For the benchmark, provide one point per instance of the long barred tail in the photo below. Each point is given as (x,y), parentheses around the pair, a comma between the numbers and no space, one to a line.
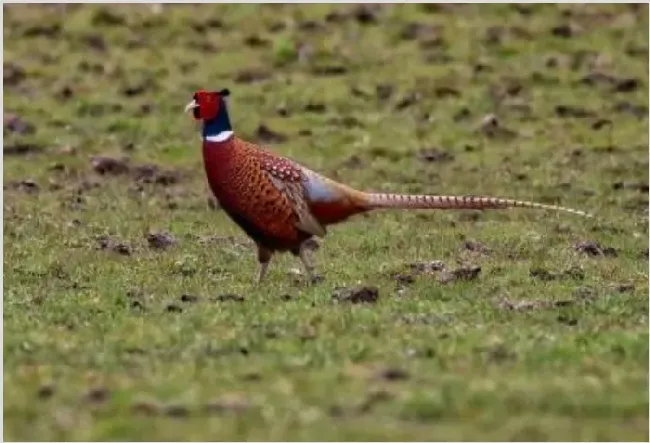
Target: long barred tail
(406,201)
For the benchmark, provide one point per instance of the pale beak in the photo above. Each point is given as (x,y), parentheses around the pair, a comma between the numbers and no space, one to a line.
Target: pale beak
(191,105)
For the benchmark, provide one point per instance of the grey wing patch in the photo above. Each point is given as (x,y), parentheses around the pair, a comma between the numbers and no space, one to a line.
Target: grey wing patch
(295,193)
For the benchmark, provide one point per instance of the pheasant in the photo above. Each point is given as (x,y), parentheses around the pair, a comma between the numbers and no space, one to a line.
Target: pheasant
(281,204)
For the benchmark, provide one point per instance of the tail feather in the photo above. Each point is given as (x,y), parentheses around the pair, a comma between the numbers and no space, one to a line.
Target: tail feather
(406,201)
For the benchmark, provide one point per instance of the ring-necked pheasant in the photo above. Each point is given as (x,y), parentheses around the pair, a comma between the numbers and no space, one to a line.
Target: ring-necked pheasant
(281,204)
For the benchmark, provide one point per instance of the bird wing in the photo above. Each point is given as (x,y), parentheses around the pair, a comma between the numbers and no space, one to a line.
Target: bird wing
(289,179)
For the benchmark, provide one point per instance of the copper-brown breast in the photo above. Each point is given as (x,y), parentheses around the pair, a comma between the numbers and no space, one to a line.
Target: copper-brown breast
(246,192)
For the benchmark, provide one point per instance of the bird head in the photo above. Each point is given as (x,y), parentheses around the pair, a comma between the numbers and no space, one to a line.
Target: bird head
(205,105)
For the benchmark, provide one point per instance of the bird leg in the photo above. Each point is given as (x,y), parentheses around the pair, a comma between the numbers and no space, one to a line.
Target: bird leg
(303,253)
(263,258)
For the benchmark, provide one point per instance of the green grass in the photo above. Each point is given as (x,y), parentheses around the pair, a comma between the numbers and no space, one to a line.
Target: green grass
(91,348)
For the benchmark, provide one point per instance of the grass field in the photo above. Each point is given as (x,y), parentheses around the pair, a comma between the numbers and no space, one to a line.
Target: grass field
(129,306)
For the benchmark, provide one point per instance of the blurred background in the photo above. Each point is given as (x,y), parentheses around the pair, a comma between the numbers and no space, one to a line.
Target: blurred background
(123,280)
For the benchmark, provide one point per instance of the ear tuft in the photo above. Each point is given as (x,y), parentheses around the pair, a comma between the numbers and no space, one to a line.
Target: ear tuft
(224,92)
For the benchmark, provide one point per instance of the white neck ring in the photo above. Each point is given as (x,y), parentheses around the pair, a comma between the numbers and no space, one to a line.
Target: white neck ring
(220,137)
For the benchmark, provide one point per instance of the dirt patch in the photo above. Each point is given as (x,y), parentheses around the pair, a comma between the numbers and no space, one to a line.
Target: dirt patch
(95,42)
(584,293)
(110,244)
(624,288)
(476,246)
(573,273)
(530,305)
(229,403)
(639,111)
(362,294)
(173,308)
(108,165)
(427,267)
(189,298)
(221,240)
(404,279)
(408,100)
(434,155)
(566,30)
(465,272)
(150,173)
(635,186)
(602,123)
(392,374)
(417,269)
(329,70)
(627,85)
(255,41)
(594,249)
(315,108)
(45,391)
(384,91)
(613,83)
(176,410)
(160,240)
(446,91)
(228,297)
(28,186)
(568,111)
(13,123)
(567,320)
(12,74)
(97,395)
(22,149)
(143,173)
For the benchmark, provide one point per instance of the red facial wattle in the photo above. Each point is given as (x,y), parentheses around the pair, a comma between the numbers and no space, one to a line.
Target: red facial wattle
(207,105)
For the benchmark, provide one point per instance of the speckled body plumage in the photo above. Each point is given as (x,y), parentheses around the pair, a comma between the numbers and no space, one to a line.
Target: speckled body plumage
(240,176)
(281,204)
